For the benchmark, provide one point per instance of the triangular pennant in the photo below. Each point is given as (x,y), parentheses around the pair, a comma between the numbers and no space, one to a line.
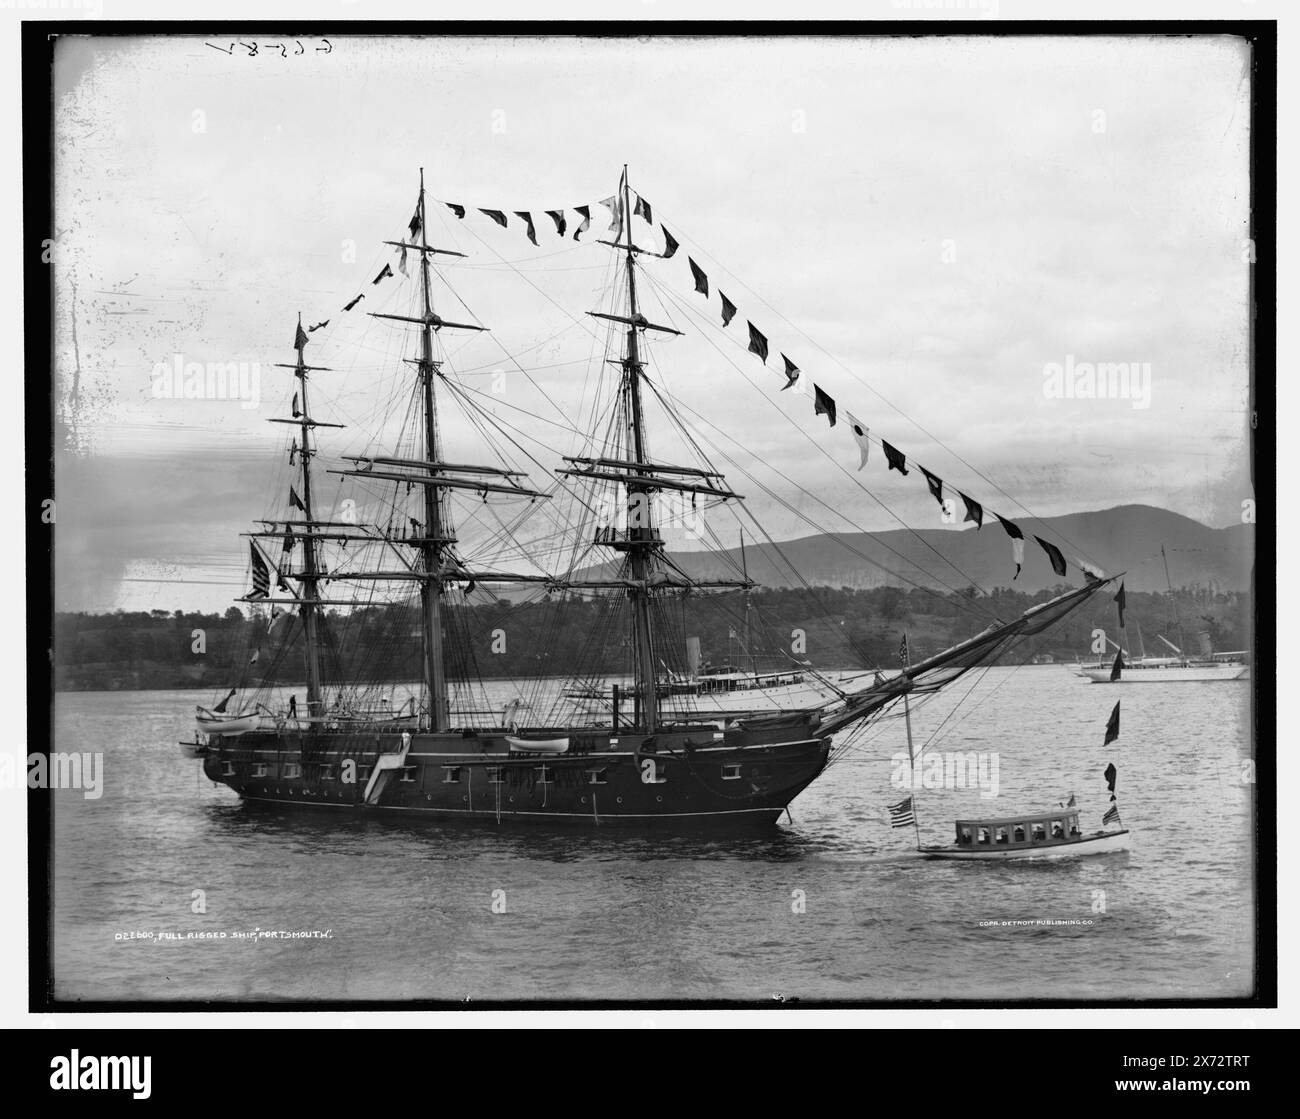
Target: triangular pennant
(384,273)
(1012,529)
(1053,554)
(935,483)
(313,329)
(728,309)
(1112,733)
(528,223)
(974,511)
(823,405)
(670,243)
(585,211)
(896,459)
(358,299)
(615,207)
(701,280)
(757,343)
(295,501)
(1017,554)
(1117,669)
(496,215)
(557,216)
(642,208)
(791,372)
(458,210)
(1121,601)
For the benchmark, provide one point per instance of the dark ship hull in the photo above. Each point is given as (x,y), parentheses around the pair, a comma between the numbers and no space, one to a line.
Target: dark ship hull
(681,777)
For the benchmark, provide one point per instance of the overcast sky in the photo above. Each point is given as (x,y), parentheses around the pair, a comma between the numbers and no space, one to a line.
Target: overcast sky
(923,225)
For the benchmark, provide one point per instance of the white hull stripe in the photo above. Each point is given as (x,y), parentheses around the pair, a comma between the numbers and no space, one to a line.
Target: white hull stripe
(495,759)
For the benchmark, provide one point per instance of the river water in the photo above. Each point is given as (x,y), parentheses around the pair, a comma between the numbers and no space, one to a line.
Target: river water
(832,905)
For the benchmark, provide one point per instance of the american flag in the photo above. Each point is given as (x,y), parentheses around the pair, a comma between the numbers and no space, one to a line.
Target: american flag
(1112,815)
(261,576)
(900,814)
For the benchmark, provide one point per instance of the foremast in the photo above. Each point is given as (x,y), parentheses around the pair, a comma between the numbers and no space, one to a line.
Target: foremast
(434,538)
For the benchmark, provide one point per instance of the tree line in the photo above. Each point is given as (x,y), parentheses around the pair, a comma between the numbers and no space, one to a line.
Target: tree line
(832,627)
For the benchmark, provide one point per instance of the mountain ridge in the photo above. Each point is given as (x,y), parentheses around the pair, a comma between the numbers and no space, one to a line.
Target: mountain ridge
(1124,538)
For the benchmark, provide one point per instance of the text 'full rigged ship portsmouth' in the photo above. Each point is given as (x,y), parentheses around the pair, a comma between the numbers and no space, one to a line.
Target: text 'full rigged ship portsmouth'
(651,754)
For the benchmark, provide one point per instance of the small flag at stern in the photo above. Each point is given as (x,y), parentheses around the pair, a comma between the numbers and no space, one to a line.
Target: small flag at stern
(901,814)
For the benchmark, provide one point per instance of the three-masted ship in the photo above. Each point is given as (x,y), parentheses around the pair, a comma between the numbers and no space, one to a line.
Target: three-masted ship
(646,756)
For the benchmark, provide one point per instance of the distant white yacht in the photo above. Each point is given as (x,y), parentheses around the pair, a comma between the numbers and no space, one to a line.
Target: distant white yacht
(1205,666)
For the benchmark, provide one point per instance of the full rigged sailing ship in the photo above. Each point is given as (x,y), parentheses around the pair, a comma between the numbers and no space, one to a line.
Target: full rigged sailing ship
(650,756)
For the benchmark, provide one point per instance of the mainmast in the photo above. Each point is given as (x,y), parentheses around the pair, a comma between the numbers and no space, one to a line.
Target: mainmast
(431,547)
(640,529)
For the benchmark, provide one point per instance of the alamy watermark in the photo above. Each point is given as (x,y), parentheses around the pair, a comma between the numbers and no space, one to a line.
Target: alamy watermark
(59,770)
(951,770)
(1103,380)
(179,379)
